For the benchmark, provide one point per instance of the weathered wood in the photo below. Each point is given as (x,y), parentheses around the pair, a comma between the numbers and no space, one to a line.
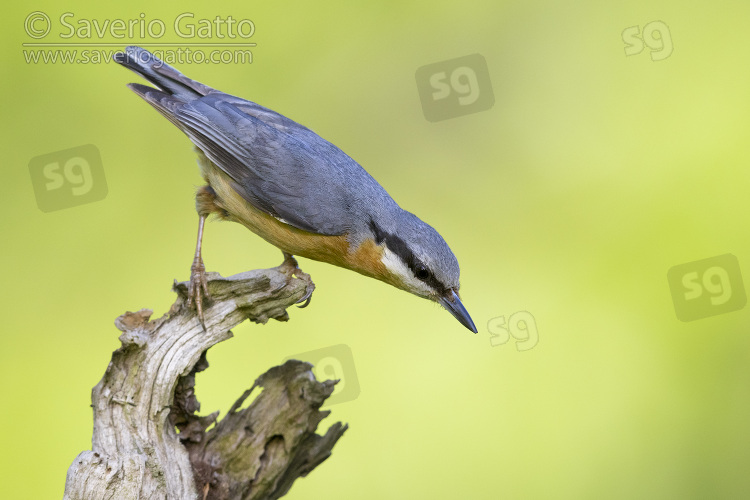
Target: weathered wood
(147,395)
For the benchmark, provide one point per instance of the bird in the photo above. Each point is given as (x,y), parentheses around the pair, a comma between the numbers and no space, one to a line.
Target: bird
(294,189)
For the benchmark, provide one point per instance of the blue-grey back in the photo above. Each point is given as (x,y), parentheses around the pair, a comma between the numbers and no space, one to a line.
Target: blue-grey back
(281,166)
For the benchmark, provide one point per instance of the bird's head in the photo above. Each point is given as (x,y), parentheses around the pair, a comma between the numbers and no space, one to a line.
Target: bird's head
(418,260)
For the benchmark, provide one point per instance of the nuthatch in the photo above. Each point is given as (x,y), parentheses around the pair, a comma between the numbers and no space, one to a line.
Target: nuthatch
(295,190)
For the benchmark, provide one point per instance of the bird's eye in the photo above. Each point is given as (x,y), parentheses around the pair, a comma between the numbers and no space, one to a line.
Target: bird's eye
(421,272)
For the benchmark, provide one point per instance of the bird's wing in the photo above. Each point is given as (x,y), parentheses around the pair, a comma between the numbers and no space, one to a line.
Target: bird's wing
(278,166)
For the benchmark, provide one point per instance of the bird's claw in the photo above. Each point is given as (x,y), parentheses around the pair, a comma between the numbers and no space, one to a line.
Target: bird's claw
(198,288)
(307,298)
(291,269)
(310,288)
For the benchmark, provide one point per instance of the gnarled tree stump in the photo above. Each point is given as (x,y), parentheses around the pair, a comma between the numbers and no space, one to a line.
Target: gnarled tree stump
(147,395)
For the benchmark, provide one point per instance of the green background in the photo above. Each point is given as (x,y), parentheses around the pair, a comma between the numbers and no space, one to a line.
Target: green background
(591,176)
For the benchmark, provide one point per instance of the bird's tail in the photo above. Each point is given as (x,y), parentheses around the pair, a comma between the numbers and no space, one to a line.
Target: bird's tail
(164,76)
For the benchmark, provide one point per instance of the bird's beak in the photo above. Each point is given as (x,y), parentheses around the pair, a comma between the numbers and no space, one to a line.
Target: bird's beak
(451,302)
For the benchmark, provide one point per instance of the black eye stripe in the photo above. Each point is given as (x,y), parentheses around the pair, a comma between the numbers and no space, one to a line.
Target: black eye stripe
(400,248)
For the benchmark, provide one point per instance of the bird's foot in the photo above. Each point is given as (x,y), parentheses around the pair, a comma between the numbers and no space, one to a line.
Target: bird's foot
(291,269)
(198,287)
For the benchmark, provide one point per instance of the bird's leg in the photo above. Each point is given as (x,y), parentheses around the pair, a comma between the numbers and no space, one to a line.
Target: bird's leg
(291,269)
(198,286)
(205,204)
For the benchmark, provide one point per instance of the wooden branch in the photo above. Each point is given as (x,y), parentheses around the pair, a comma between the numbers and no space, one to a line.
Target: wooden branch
(147,395)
